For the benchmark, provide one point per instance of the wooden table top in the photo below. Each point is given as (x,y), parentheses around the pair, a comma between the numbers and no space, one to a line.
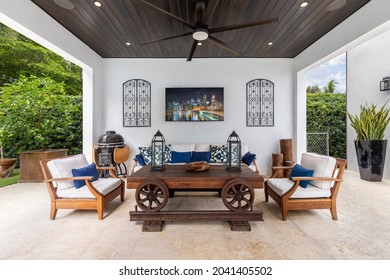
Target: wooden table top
(178,177)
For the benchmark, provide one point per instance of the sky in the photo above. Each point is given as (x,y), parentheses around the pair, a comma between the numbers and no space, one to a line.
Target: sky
(334,69)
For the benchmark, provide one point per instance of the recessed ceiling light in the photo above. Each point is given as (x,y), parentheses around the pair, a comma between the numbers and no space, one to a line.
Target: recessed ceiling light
(270,43)
(304,4)
(128,44)
(97,3)
(65,4)
(199,43)
(335,5)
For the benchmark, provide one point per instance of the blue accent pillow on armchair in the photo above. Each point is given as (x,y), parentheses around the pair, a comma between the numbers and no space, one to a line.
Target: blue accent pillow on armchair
(300,171)
(180,157)
(201,156)
(89,170)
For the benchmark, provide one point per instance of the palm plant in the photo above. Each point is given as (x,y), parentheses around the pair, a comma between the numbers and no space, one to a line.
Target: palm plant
(371,123)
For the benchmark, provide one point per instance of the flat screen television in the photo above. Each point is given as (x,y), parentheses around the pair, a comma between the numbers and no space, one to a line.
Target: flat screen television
(195,104)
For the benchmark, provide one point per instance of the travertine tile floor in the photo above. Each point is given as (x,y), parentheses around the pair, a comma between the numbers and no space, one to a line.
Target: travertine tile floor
(361,233)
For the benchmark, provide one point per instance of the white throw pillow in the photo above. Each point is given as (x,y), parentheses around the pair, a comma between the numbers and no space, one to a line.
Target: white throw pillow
(202,147)
(323,166)
(62,168)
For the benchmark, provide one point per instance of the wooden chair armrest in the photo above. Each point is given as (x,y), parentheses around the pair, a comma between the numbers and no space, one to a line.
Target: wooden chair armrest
(69,179)
(294,179)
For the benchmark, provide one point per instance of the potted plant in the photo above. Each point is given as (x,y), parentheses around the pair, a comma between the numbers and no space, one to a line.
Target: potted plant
(370,126)
(7,165)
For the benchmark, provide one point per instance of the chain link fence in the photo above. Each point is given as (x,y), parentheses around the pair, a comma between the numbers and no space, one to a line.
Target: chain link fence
(318,142)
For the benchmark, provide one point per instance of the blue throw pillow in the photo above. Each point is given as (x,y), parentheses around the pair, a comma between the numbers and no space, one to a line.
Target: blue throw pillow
(89,170)
(180,157)
(201,156)
(248,158)
(300,171)
(140,159)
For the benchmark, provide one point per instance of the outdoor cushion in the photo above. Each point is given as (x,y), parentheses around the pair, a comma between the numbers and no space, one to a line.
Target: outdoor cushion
(202,147)
(323,167)
(183,147)
(102,185)
(62,168)
(182,157)
(146,153)
(200,156)
(89,170)
(300,171)
(282,185)
(248,158)
(218,153)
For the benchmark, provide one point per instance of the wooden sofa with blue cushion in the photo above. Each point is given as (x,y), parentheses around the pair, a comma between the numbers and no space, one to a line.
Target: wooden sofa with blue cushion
(183,153)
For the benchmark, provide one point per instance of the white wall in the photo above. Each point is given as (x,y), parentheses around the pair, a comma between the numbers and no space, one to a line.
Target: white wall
(29,20)
(231,74)
(367,64)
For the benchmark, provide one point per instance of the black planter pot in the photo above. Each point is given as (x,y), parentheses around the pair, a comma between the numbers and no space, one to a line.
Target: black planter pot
(371,155)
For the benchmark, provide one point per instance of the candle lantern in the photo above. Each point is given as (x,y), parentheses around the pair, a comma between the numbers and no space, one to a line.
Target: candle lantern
(158,148)
(234,153)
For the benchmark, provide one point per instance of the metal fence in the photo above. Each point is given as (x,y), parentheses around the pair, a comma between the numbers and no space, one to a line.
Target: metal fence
(318,142)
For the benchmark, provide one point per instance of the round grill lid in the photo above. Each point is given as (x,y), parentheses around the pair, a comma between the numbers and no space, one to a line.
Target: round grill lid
(111,137)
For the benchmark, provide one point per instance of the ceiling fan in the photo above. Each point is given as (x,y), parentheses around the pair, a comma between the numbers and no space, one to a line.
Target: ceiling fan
(200,30)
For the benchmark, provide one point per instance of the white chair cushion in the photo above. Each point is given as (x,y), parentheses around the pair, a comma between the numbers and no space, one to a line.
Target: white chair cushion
(102,185)
(62,168)
(323,166)
(183,147)
(202,147)
(282,185)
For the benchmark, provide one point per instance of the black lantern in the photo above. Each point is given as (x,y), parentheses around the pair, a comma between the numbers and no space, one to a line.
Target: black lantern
(234,153)
(158,148)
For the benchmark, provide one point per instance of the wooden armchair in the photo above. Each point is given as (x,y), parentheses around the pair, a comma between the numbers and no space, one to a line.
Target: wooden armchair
(321,192)
(93,195)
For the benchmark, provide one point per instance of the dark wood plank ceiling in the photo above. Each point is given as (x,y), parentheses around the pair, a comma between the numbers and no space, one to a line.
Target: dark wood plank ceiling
(108,28)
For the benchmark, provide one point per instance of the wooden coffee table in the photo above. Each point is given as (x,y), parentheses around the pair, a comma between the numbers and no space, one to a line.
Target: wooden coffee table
(153,190)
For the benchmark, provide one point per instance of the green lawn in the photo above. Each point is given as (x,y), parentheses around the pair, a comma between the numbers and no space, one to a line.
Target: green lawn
(10,180)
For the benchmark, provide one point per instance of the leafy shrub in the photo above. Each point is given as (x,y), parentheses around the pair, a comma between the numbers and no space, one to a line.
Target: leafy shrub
(327,112)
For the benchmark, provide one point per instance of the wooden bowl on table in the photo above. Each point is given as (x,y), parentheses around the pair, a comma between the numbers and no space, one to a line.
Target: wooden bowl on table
(197,166)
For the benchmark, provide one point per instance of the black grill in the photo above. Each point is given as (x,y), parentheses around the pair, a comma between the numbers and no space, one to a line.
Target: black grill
(106,145)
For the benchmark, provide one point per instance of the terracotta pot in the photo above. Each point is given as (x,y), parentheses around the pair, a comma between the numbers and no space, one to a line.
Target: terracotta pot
(7,166)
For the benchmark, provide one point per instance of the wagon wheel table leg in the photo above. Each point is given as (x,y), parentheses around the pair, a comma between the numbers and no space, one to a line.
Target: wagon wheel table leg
(151,196)
(238,196)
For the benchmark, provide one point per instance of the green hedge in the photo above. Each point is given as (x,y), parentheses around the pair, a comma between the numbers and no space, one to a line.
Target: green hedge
(327,112)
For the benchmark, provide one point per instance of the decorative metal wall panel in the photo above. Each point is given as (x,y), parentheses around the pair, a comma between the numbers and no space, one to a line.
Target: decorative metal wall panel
(136,103)
(260,103)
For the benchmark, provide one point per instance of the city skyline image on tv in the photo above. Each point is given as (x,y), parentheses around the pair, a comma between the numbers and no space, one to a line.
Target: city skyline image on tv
(194,104)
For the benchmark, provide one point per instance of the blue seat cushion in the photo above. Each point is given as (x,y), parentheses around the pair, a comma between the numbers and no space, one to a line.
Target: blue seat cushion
(89,170)
(300,171)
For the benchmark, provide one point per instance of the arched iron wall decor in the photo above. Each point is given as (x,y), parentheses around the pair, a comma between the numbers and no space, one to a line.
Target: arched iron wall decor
(260,103)
(136,103)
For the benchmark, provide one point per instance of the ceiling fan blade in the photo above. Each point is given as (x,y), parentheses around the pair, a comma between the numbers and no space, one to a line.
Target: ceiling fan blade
(211,6)
(223,45)
(239,26)
(166,38)
(194,44)
(168,14)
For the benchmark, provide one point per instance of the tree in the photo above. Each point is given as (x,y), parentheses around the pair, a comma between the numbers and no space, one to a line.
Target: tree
(330,87)
(313,89)
(22,56)
(37,114)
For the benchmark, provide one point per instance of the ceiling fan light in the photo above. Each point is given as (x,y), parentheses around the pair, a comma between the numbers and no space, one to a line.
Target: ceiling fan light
(199,43)
(200,34)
